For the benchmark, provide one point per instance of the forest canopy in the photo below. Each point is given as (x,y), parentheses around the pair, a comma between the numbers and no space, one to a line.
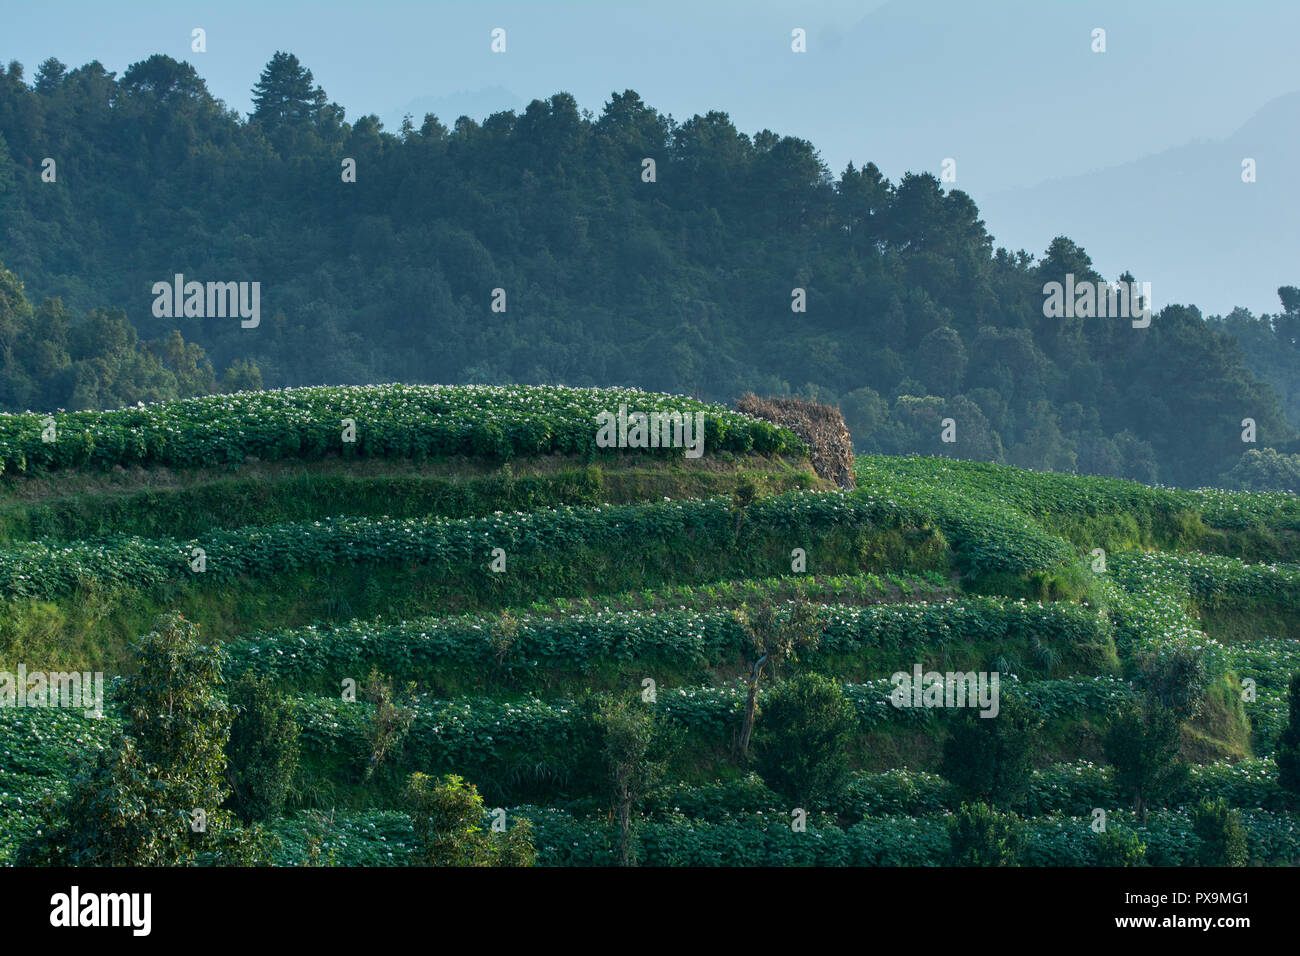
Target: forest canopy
(683,283)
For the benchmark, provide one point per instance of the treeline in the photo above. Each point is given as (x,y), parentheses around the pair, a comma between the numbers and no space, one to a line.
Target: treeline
(682,284)
(50,359)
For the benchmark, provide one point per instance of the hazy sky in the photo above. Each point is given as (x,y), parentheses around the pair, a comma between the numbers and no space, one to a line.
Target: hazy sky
(1011,89)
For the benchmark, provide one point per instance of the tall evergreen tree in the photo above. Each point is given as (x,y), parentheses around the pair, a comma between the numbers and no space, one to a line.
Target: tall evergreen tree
(285,93)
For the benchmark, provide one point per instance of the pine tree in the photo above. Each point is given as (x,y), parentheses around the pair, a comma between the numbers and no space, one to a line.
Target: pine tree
(285,93)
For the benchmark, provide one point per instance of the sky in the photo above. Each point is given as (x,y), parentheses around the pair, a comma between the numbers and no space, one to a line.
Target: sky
(1048,136)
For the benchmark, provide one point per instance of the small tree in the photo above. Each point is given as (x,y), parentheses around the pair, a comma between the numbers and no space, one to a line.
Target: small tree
(262,754)
(773,638)
(990,758)
(980,835)
(1223,838)
(390,720)
(744,494)
(447,815)
(502,636)
(1174,679)
(1142,743)
(153,797)
(1120,848)
(1288,747)
(636,755)
(805,730)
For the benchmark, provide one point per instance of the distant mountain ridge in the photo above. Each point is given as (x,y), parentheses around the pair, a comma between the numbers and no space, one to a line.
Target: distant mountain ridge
(1169,196)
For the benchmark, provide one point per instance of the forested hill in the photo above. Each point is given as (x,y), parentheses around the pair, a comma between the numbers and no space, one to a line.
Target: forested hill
(680,284)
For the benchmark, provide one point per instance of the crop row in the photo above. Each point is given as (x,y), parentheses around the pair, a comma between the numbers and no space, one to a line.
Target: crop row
(1072,789)
(378,838)
(409,421)
(41,568)
(482,735)
(459,545)
(1053,495)
(454,733)
(868,588)
(1207,579)
(682,637)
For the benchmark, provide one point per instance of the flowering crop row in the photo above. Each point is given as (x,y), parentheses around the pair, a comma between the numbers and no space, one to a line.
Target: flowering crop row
(1054,495)
(564,839)
(464,733)
(496,422)
(1207,578)
(455,545)
(685,637)
(449,545)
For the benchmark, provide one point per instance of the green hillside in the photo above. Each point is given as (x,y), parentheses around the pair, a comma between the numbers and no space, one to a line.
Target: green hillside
(313,553)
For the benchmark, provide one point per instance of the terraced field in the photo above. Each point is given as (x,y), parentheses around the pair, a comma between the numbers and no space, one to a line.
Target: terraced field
(478,550)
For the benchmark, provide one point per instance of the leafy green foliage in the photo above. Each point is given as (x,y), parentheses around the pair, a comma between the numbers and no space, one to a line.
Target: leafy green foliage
(392,421)
(980,835)
(805,734)
(502,697)
(424,648)
(1222,835)
(911,299)
(774,638)
(1143,744)
(390,720)
(1288,747)
(54,360)
(636,747)
(1174,680)
(1264,470)
(262,753)
(1120,848)
(152,798)
(990,758)
(447,816)
(455,548)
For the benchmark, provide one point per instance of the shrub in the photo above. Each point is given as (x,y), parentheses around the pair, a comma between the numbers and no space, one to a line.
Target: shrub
(1288,747)
(773,638)
(1120,848)
(1264,470)
(1223,837)
(390,721)
(1175,677)
(805,730)
(1143,743)
(980,835)
(262,753)
(635,759)
(447,816)
(989,758)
